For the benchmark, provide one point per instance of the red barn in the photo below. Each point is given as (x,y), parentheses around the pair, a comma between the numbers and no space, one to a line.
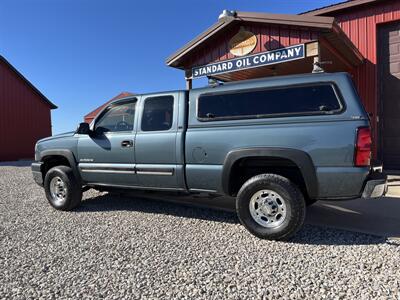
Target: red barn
(361,37)
(90,116)
(24,114)
(374,28)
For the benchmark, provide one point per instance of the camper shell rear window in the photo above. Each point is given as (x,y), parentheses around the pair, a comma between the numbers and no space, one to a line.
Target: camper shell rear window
(299,100)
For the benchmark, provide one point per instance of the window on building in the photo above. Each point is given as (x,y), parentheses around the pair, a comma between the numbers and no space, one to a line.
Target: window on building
(298,100)
(157,113)
(117,117)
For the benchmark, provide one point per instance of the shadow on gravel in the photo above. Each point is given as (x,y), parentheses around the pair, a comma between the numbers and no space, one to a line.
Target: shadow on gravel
(320,235)
(308,235)
(19,163)
(109,202)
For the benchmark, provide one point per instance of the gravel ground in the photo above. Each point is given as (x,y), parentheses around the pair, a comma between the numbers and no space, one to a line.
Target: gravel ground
(119,248)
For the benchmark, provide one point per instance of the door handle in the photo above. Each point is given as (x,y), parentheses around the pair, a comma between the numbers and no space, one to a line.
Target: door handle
(127,143)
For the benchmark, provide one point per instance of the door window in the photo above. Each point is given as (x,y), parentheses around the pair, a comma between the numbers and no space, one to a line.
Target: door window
(158,113)
(117,118)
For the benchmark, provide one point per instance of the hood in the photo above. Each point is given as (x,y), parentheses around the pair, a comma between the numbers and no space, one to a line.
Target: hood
(58,136)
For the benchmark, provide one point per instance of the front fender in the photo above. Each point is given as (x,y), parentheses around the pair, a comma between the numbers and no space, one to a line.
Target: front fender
(64,153)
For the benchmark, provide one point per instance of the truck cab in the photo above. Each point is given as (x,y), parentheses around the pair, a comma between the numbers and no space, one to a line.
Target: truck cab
(136,142)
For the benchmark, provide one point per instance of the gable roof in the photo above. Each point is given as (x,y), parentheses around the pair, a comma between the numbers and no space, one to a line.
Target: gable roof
(43,97)
(323,24)
(318,22)
(337,7)
(94,112)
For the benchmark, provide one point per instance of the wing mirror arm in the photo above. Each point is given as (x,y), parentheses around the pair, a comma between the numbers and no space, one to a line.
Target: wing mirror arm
(83,128)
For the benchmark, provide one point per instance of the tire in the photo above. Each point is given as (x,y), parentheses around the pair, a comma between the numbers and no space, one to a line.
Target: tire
(271,207)
(62,189)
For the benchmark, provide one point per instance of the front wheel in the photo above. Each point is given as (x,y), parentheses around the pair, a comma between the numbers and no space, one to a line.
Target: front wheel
(271,207)
(62,189)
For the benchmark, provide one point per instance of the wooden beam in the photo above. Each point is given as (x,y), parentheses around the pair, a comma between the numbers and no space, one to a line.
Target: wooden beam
(189,84)
(324,43)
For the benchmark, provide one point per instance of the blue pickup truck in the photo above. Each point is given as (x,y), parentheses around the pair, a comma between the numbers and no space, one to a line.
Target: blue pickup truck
(275,145)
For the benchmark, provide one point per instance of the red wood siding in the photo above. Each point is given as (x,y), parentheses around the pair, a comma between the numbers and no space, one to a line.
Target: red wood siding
(24,116)
(269,37)
(360,24)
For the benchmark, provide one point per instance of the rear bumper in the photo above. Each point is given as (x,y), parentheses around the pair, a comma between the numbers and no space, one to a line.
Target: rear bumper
(375,186)
(36,168)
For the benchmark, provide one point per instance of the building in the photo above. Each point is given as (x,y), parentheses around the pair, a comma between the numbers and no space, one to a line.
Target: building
(374,28)
(25,114)
(90,116)
(361,37)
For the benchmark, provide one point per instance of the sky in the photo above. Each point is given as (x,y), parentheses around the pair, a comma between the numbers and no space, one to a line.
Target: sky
(81,53)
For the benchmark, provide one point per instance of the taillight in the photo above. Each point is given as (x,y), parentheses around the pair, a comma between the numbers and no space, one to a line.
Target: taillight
(362,155)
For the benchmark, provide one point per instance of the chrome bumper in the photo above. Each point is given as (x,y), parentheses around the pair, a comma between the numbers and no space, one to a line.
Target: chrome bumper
(37,172)
(375,186)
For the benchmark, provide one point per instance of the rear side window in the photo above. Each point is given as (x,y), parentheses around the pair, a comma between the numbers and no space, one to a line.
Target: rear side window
(298,100)
(157,113)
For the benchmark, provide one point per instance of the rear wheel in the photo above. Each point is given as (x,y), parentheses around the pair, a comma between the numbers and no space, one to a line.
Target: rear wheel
(62,189)
(271,207)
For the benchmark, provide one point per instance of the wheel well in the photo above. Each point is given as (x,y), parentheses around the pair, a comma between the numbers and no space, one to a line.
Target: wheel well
(52,161)
(245,168)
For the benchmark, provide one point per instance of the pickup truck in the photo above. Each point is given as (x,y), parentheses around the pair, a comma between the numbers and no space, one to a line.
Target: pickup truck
(273,145)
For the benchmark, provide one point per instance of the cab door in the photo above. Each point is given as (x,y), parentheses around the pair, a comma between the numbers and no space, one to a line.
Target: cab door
(107,156)
(158,150)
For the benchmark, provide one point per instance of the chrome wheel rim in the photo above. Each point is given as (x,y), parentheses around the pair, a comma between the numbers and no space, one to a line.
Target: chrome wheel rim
(58,190)
(268,208)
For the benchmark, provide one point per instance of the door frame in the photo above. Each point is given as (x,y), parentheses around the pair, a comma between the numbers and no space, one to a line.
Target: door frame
(101,171)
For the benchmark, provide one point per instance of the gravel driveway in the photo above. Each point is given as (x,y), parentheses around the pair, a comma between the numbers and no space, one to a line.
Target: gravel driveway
(120,248)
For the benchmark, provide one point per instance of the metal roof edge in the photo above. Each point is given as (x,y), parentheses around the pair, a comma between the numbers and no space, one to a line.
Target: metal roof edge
(336,7)
(311,21)
(194,42)
(51,104)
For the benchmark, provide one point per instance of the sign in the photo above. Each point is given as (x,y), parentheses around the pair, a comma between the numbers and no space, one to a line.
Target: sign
(251,61)
(242,43)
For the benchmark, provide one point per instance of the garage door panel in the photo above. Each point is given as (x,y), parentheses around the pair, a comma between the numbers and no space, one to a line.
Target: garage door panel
(395,38)
(395,57)
(389,79)
(394,162)
(391,143)
(391,127)
(392,107)
(394,49)
(394,67)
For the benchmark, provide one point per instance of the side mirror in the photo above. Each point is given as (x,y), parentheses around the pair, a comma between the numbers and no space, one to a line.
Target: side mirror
(83,128)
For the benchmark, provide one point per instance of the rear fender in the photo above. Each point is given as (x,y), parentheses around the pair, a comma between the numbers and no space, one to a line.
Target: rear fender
(298,157)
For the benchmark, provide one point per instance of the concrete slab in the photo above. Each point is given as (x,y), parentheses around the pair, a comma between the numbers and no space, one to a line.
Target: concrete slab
(394,189)
(379,216)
